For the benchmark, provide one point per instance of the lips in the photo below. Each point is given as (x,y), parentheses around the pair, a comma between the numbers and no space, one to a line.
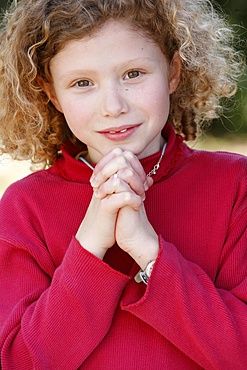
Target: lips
(119,133)
(115,130)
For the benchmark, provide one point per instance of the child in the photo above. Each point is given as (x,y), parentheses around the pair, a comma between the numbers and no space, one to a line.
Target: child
(129,250)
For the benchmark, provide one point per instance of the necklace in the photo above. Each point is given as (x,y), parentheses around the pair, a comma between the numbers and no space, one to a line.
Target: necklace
(152,172)
(157,165)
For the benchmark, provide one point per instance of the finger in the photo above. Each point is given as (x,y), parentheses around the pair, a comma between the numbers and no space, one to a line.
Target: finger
(114,202)
(117,185)
(110,168)
(150,181)
(136,165)
(106,159)
(135,175)
(129,175)
(118,160)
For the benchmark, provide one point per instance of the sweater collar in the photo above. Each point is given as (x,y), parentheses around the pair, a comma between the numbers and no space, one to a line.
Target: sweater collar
(73,170)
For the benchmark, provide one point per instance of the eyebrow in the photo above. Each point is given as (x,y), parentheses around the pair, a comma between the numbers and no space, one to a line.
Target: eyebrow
(123,65)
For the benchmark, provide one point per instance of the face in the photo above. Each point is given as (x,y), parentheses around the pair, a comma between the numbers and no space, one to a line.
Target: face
(113,89)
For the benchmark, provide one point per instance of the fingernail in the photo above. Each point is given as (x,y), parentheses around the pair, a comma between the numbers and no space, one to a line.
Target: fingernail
(96,193)
(146,186)
(93,181)
(143,197)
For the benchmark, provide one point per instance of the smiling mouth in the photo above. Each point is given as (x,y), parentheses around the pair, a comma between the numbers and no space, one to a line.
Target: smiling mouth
(120,130)
(120,133)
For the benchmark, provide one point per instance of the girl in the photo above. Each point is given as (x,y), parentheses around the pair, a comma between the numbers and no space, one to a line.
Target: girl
(129,250)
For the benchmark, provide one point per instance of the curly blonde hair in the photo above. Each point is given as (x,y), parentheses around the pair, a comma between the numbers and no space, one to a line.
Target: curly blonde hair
(34,31)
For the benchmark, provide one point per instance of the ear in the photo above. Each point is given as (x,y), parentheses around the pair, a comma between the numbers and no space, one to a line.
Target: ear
(174,72)
(49,90)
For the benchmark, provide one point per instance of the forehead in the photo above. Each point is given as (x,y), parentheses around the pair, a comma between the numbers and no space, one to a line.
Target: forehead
(113,40)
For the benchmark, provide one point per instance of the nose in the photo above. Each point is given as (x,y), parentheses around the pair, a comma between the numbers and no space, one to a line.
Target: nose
(113,100)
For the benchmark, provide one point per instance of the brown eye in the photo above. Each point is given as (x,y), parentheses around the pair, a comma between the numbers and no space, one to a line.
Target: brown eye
(83,83)
(133,74)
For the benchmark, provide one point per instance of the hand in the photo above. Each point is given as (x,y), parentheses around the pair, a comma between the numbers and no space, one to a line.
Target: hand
(136,236)
(120,196)
(128,169)
(97,230)
(110,195)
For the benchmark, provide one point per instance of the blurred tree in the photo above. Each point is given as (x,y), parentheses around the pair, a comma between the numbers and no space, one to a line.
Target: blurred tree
(235,118)
(3,3)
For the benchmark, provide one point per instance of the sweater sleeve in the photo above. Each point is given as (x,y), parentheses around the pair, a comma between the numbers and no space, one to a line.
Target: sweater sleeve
(205,319)
(51,317)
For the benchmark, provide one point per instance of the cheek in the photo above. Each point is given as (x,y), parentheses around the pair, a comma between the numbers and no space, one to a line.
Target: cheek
(75,114)
(158,101)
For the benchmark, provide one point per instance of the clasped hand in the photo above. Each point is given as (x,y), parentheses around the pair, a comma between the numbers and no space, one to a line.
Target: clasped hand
(116,212)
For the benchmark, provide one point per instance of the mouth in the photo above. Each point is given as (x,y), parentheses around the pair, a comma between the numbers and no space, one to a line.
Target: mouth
(119,133)
(117,130)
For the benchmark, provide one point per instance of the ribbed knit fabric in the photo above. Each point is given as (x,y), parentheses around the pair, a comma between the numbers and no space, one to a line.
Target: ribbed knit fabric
(62,308)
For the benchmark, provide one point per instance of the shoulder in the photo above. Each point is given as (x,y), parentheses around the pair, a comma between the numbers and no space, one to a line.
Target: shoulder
(25,206)
(219,161)
(29,188)
(221,178)
(223,156)
(220,172)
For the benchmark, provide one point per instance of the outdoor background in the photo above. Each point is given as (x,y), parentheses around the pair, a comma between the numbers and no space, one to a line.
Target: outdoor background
(228,134)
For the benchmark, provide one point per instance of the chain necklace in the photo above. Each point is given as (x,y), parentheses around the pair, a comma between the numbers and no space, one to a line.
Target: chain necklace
(157,166)
(151,173)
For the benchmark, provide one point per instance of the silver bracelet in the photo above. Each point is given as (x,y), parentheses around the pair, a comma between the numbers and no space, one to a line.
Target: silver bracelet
(144,275)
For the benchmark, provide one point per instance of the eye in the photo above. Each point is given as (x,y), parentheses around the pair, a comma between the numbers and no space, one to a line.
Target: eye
(83,83)
(132,74)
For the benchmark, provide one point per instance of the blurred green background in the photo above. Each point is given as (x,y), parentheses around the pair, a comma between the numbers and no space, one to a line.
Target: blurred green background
(234,121)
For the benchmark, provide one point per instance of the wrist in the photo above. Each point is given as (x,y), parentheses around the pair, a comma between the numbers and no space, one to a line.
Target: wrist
(96,250)
(149,252)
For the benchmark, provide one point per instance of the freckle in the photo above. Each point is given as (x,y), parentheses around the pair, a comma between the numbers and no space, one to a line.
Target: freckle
(126,89)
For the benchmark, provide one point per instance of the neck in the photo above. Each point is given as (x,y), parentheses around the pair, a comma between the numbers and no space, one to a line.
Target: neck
(84,158)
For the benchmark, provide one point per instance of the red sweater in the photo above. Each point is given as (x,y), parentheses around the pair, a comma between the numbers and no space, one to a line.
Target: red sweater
(63,308)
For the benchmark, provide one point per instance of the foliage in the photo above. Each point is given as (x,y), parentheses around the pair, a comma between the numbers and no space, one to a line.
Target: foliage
(235,117)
